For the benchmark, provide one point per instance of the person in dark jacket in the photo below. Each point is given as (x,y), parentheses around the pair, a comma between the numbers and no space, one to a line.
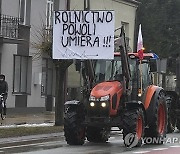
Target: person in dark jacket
(3,90)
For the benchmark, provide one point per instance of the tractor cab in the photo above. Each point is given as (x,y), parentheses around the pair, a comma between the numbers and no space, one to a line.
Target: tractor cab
(109,75)
(109,84)
(108,70)
(144,69)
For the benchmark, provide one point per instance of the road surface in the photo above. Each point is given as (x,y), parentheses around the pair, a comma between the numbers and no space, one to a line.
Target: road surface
(57,145)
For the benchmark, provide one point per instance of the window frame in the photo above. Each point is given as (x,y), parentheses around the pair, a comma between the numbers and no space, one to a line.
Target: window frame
(49,14)
(20,91)
(22,11)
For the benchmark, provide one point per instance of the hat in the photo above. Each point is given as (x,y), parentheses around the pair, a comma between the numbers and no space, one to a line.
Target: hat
(2,76)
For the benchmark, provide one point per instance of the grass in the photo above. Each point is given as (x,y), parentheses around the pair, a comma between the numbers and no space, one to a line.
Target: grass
(25,131)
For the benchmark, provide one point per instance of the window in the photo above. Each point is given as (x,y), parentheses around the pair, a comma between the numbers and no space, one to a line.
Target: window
(49,14)
(24,11)
(22,73)
(126,28)
(146,76)
(47,77)
(106,70)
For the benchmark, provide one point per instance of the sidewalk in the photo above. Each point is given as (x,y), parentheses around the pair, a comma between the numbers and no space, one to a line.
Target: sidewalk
(34,118)
(29,120)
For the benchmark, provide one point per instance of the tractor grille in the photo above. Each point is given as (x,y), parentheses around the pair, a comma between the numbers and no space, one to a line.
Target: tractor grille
(98,110)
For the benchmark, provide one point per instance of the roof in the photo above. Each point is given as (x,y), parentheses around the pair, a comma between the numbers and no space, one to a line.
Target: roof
(133,1)
(146,55)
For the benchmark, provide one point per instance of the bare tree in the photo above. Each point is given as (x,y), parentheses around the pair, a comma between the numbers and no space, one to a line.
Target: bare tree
(43,44)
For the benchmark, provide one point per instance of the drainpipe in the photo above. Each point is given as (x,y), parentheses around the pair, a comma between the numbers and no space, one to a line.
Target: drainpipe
(86,5)
(68,5)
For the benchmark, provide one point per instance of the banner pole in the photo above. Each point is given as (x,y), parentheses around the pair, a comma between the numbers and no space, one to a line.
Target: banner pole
(141,81)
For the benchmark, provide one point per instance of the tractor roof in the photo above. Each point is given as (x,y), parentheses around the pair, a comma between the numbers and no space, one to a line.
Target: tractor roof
(135,54)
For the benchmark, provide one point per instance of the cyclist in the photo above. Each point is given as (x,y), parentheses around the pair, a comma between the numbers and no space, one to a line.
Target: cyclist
(3,90)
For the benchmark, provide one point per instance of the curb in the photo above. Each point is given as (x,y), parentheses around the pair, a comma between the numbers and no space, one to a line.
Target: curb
(24,124)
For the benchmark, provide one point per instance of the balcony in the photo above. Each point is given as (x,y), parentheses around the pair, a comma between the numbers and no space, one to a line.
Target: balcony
(10,29)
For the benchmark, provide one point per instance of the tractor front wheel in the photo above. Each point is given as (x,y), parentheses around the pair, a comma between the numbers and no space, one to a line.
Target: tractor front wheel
(74,131)
(133,126)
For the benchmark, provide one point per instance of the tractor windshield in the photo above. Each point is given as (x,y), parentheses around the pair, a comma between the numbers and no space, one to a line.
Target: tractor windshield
(106,70)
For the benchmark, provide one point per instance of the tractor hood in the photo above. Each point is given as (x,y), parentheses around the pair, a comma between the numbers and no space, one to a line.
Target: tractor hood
(106,88)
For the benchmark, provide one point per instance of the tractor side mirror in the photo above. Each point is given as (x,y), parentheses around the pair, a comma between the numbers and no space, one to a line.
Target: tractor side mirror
(153,65)
(78,65)
(163,66)
(158,65)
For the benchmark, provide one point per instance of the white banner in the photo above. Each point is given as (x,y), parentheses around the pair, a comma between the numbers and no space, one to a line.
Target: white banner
(83,35)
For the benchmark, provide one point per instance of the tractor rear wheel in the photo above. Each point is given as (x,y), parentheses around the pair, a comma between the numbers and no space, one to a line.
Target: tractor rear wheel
(158,114)
(74,131)
(97,135)
(133,126)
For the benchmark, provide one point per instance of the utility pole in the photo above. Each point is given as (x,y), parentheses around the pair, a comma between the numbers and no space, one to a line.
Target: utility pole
(68,4)
(86,5)
(61,76)
(61,88)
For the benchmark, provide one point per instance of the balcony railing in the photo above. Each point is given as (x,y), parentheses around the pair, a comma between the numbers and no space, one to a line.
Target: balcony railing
(9,26)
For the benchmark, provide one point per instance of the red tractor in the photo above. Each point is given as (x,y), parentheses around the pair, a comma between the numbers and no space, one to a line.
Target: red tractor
(118,94)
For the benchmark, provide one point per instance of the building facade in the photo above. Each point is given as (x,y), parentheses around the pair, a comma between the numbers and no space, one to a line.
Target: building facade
(23,27)
(15,61)
(125,13)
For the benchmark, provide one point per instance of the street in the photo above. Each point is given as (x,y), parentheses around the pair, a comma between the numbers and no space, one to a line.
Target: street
(57,145)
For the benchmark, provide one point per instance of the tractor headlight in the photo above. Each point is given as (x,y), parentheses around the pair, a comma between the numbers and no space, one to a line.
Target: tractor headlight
(103,104)
(92,104)
(92,98)
(139,93)
(105,98)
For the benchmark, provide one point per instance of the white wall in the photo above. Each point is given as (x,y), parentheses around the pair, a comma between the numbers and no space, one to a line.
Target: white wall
(38,14)
(62,4)
(35,99)
(10,7)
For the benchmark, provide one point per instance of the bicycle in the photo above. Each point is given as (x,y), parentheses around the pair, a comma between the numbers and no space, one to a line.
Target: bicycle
(2,106)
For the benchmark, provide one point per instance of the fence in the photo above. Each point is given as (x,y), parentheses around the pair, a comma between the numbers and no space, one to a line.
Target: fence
(9,26)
